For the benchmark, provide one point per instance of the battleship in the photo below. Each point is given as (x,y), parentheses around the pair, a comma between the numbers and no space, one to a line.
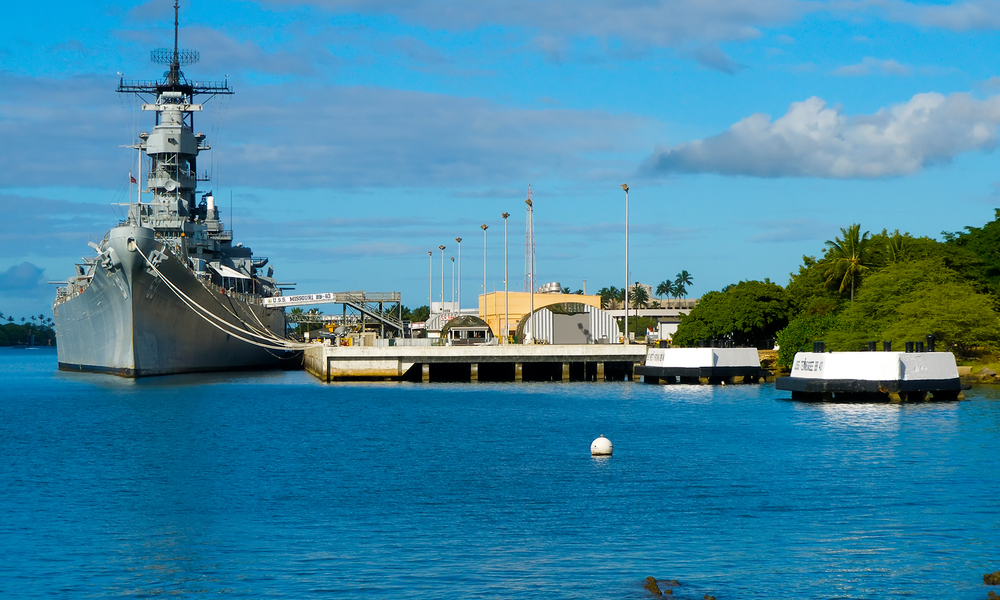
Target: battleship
(167,291)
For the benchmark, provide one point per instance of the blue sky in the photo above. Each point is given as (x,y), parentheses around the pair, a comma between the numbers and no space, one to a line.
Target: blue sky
(364,134)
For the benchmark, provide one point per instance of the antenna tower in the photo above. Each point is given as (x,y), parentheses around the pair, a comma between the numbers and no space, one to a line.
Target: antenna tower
(529,245)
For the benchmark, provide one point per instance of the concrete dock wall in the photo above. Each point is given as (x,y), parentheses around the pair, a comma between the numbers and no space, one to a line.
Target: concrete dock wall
(475,363)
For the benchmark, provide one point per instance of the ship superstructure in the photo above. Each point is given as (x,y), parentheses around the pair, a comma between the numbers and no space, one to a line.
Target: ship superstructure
(168,291)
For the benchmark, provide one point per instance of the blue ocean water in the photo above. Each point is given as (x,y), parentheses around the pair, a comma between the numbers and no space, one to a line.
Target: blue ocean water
(274,485)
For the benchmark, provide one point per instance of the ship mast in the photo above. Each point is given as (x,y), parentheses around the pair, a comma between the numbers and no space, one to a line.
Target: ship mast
(172,146)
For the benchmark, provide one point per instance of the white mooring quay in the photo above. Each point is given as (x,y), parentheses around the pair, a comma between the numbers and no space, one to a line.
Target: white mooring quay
(595,362)
(891,376)
(707,365)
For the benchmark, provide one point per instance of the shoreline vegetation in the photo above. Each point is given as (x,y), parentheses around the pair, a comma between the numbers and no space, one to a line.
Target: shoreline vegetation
(22,332)
(862,287)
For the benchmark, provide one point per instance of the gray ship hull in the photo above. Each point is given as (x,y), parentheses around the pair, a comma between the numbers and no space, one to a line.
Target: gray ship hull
(128,322)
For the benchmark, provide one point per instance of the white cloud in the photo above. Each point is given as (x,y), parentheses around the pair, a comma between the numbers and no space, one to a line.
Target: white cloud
(814,140)
(19,278)
(655,22)
(960,16)
(299,135)
(714,58)
(692,26)
(790,230)
(874,66)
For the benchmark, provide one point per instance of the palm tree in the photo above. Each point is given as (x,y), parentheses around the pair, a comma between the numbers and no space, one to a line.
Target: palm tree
(848,257)
(607,295)
(683,280)
(679,291)
(896,247)
(665,289)
(639,297)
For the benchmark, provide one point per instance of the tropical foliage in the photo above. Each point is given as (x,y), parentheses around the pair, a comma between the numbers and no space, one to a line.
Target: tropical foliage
(19,332)
(887,286)
(748,313)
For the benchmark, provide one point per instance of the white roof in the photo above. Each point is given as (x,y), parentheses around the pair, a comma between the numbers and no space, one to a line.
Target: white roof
(227,272)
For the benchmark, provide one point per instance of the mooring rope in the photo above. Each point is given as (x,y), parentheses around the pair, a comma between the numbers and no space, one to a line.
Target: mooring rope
(208,316)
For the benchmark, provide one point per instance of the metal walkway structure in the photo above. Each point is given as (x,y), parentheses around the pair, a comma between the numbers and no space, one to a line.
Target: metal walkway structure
(360,309)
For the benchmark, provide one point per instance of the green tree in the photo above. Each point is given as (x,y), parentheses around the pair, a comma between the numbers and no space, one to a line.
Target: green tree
(684,279)
(665,289)
(418,314)
(848,257)
(611,297)
(908,300)
(638,297)
(800,335)
(747,314)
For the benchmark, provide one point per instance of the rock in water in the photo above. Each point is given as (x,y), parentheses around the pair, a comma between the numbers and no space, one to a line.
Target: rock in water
(652,587)
(992,578)
(707,597)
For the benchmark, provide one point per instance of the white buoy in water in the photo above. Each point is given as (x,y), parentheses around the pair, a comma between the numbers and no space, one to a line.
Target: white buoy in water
(601,447)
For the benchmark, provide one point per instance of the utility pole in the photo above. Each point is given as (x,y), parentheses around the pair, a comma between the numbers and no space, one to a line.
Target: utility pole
(625,187)
(459,240)
(484,226)
(506,312)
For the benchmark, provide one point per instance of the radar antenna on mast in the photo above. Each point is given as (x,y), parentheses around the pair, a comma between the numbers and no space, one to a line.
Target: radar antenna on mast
(175,58)
(174,80)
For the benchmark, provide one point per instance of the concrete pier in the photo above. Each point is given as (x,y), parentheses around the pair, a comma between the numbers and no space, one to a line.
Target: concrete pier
(599,362)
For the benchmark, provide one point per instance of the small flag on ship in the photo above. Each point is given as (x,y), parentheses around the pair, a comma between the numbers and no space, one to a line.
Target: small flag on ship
(130,178)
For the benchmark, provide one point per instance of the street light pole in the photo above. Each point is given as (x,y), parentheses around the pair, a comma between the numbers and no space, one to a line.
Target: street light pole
(452,284)
(459,240)
(531,265)
(506,325)
(625,187)
(430,282)
(442,277)
(484,227)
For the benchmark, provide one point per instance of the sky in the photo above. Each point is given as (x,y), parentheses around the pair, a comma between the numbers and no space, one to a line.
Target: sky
(363,135)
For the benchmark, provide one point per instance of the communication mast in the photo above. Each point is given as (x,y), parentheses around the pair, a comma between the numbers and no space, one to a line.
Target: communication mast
(529,246)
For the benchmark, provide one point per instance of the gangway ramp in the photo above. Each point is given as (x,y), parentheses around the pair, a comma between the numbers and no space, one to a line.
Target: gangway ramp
(385,308)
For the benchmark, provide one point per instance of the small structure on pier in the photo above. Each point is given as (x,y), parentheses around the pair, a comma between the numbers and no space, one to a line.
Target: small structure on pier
(467,330)
(568,323)
(872,376)
(702,365)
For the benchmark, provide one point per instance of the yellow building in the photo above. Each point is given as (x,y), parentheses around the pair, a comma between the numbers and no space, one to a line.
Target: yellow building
(491,307)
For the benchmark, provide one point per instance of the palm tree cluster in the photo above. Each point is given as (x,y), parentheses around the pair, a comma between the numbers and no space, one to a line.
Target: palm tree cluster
(849,256)
(676,288)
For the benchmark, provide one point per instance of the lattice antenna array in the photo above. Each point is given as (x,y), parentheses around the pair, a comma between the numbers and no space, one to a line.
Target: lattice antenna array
(175,58)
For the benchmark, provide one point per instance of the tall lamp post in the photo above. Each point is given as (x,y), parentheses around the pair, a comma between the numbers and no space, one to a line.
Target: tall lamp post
(506,325)
(430,281)
(452,284)
(442,277)
(531,265)
(625,187)
(484,227)
(459,240)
